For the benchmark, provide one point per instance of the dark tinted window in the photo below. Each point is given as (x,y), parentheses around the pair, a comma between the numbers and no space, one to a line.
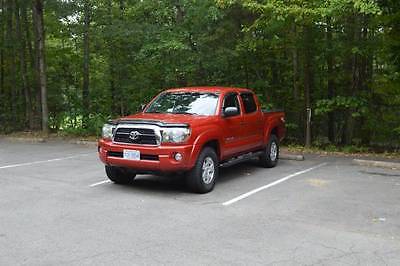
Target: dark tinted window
(195,103)
(248,102)
(231,100)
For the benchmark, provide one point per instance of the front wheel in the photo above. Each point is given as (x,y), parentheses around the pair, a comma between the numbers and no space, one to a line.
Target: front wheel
(201,179)
(119,175)
(270,155)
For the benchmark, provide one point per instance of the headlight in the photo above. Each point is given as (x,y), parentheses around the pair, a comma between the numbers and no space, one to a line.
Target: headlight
(108,131)
(175,134)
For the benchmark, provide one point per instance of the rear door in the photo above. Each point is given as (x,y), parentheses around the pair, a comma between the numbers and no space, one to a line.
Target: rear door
(232,126)
(252,123)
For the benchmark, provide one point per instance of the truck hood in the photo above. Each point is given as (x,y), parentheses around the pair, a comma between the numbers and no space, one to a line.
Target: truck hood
(168,119)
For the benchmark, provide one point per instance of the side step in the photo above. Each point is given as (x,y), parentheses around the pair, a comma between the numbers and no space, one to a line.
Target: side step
(241,158)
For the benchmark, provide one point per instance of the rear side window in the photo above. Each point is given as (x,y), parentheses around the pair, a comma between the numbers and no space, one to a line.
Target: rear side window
(248,102)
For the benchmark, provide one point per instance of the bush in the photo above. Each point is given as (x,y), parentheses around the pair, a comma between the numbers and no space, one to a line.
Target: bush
(73,125)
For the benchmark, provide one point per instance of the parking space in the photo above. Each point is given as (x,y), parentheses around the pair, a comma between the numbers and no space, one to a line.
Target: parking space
(56,207)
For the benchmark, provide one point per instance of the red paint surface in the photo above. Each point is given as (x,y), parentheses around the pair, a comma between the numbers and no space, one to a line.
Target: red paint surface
(234,135)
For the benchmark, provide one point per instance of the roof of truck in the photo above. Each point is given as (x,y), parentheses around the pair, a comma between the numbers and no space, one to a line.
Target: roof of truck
(208,89)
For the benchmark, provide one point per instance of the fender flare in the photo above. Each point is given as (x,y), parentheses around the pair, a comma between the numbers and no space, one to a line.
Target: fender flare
(269,128)
(201,139)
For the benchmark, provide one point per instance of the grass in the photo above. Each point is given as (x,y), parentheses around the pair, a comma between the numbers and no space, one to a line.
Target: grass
(348,150)
(62,135)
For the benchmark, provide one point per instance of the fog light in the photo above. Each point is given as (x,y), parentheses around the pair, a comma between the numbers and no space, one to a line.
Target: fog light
(178,156)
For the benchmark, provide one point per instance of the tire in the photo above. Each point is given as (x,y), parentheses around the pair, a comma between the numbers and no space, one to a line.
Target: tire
(202,179)
(270,156)
(119,175)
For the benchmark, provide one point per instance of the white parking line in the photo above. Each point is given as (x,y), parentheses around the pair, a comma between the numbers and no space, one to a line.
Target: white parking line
(99,183)
(44,161)
(254,191)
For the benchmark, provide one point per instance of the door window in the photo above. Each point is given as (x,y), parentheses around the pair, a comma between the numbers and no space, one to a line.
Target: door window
(248,102)
(231,100)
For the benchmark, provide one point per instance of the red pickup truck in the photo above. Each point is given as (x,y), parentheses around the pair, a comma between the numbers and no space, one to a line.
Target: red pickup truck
(193,131)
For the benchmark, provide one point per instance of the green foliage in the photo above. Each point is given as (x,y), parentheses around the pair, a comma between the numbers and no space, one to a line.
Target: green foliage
(357,106)
(276,47)
(397,131)
(72,125)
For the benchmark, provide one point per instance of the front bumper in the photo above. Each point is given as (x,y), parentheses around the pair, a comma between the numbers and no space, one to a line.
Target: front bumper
(153,158)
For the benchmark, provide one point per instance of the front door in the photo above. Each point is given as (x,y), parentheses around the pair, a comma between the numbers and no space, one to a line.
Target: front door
(232,127)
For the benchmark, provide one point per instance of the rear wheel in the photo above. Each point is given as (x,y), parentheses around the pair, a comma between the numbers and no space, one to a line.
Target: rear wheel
(270,156)
(201,179)
(119,175)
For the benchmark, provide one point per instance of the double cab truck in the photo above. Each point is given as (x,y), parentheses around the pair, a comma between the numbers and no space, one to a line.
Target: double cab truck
(193,131)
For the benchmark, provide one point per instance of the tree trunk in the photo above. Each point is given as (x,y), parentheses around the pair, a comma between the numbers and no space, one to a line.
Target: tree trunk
(355,79)
(331,79)
(35,65)
(365,78)
(86,61)
(2,54)
(180,13)
(308,81)
(348,78)
(23,68)
(274,71)
(12,74)
(35,87)
(295,63)
(37,9)
(298,116)
(121,95)
(111,62)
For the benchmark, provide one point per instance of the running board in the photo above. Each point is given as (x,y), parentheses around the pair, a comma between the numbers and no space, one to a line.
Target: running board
(241,158)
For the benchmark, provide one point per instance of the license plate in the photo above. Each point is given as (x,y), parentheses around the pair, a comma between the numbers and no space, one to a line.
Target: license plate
(132,155)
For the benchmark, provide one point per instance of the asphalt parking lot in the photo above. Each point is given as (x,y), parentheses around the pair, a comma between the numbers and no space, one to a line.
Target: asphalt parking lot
(56,208)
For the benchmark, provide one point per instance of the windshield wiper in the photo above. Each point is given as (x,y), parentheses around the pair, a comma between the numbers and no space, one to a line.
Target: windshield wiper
(184,113)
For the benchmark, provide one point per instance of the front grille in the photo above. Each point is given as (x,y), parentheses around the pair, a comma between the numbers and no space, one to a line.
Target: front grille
(147,157)
(143,136)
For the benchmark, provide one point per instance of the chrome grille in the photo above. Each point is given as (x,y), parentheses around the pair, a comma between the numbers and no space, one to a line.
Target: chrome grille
(134,134)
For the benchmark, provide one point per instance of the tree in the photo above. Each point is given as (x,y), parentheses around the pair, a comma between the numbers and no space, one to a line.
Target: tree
(23,66)
(37,9)
(308,80)
(86,62)
(334,60)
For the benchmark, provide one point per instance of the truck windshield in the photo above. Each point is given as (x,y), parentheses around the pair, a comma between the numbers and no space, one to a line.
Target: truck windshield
(193,103)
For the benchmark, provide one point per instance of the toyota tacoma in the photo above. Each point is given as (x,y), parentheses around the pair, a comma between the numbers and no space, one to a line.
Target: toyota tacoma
(192,131)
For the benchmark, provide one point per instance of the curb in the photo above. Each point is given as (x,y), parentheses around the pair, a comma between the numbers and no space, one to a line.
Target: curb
(390,165)
(84,142)
(294,157)
(25,140)
(43,140)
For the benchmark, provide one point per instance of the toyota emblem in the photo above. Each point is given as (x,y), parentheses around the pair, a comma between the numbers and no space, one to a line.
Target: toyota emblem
(134,135)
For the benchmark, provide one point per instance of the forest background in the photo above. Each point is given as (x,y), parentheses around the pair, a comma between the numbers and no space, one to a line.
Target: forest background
(67,66)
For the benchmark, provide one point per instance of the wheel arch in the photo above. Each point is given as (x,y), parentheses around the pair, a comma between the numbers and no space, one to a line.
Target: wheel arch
(209,138)
(276,130)
(214,143)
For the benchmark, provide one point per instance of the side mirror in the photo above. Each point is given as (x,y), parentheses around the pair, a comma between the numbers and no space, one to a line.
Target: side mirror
(142,106)
(231,111)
